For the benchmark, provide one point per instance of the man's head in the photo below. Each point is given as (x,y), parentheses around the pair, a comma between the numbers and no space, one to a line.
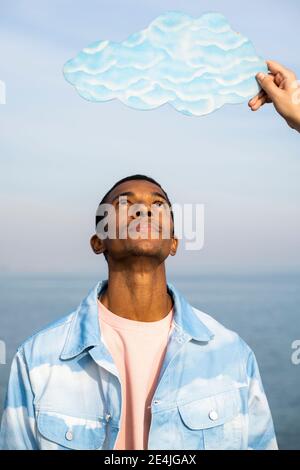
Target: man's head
(135,199)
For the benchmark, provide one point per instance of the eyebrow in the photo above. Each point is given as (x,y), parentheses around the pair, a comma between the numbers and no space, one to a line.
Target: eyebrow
(130,193)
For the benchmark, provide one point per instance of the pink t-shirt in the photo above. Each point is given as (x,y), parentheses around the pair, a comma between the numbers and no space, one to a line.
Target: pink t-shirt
(138,349)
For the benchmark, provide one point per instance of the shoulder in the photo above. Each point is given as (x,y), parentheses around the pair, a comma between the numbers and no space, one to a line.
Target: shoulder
(223,337)
(45,345)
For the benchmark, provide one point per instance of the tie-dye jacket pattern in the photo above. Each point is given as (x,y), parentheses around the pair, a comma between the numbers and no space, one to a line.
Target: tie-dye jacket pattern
(64,389)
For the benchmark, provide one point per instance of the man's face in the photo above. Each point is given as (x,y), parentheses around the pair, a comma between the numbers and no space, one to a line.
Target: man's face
(143,222)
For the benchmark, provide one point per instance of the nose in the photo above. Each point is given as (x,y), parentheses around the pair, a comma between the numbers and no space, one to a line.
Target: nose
(143,213)
(143,210)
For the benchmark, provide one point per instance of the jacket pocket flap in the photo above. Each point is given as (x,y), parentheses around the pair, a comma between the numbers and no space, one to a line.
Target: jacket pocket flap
(210,411)
(71,432)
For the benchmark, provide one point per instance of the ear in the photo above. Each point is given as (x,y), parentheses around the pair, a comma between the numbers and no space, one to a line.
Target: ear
(97,244)
(174,246)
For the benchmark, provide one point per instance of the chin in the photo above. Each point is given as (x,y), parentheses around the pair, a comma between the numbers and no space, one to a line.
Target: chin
(145,248)
(145,251)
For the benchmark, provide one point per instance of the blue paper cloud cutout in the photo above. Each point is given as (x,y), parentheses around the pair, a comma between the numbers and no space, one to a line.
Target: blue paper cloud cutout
(195,64)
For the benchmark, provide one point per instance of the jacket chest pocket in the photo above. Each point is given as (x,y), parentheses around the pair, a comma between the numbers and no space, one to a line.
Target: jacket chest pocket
(213,422)
(60,431)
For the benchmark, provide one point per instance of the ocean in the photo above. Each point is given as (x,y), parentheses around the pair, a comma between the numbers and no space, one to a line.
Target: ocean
(263,308)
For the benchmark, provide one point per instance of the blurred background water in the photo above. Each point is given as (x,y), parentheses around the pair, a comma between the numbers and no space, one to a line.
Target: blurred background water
(262,307)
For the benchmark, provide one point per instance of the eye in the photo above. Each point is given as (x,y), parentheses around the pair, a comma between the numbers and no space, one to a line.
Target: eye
(158,203)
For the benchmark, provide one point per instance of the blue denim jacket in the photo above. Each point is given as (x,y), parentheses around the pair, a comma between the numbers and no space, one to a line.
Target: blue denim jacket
(64,390)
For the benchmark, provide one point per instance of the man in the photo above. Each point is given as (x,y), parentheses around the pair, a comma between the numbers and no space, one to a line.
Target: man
(136,366)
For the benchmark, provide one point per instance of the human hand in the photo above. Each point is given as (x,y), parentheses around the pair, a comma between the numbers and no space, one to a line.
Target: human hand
(281,88)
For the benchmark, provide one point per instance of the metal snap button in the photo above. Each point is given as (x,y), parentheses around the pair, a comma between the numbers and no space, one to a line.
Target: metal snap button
(107,417)
(69,435)
(213,415)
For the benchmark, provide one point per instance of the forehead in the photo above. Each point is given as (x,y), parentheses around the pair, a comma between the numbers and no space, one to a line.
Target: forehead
(138,187)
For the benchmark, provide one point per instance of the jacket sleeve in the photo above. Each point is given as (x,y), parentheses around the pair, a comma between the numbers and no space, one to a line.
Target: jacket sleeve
(261,435)
(18,421)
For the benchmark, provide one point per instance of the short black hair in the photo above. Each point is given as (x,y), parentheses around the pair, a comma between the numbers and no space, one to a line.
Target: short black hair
(130,178)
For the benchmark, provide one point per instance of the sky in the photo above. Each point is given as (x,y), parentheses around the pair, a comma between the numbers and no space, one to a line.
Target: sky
(59,154)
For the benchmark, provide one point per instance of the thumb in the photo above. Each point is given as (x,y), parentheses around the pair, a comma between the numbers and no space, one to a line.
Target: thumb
(268,85)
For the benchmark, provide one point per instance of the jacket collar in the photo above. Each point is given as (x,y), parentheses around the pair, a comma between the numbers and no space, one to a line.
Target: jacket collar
(84,331)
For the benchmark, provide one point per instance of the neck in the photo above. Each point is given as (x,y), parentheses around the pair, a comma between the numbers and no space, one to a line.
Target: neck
(138,293)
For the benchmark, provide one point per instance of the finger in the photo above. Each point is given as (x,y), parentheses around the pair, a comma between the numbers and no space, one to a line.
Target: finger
(261,93)
(259,103)
(264,99)
(256,97)
(253,100)
(267,84)
(284,84)
(275,67)
(278,78)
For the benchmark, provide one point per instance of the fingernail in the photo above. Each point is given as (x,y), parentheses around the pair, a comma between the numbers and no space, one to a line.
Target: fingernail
(260,76)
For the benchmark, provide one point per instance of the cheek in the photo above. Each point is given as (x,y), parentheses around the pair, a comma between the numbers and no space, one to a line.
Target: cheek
(166,246)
